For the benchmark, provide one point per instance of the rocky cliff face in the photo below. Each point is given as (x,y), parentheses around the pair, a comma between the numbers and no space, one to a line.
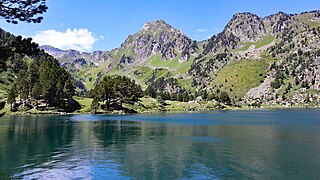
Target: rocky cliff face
(158,37)
(247,27)
(278,23)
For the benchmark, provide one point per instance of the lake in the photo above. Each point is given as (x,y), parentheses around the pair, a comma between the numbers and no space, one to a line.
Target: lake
(259,144)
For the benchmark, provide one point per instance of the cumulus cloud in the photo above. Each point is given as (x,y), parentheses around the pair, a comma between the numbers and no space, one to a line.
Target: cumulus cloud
(202,30)
(78,39)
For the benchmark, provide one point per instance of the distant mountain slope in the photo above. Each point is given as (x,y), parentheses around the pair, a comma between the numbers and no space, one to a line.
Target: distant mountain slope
(270,60)
(71,55)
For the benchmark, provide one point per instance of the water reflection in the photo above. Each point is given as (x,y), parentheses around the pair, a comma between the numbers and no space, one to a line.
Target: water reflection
(64,147)
(27,141)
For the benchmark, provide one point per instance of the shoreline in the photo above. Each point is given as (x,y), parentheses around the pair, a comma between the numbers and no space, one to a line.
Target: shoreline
(156,112)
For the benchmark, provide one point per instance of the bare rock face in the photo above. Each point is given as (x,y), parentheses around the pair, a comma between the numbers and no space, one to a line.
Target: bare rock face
(278,22)
(312,76)
(159,37)
(261,90)
(247,27)
(242,28)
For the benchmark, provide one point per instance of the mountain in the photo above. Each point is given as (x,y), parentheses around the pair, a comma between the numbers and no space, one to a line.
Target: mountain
(71,55)
(272,60)
(159,38)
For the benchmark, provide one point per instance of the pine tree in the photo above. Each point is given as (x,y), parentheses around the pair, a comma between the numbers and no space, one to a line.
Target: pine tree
(151,92)
(69,89)
(36,92)
(47,81)
(95,105)
(11,96)
(117,90)
(23,10)
(23,85)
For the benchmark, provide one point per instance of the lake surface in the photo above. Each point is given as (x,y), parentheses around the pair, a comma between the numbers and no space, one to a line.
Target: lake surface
(264,144)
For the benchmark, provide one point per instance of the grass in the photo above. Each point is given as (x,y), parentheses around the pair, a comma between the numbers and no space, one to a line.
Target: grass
(156,67)
(85,104)
(268,58)
(245,46)
(308,19)
(181,67)
(239,77)
(263,42)
(185,83)
(174,106)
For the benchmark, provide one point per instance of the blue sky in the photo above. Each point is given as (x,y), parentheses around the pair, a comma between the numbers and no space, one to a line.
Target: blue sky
(105,24)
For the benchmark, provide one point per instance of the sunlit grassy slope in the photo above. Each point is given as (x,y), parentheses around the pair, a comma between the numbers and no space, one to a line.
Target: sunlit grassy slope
(263,42)
(238,77)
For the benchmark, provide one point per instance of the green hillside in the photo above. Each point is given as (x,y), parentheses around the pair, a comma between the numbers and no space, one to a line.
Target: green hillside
(237,78)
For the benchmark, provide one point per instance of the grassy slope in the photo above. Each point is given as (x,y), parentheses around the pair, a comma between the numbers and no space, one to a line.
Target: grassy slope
(263,42)
(155,66)
(85,104)
(238,77)
(180,67)
(308,19)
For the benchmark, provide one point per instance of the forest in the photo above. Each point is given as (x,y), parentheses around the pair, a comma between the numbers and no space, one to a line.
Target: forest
(33,76)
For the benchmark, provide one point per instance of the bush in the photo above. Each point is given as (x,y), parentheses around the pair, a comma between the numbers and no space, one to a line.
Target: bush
(276,84)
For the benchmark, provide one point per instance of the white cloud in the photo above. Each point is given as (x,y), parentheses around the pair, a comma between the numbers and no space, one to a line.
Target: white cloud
(101,37)
(78,39)
(202,30)
(210,36)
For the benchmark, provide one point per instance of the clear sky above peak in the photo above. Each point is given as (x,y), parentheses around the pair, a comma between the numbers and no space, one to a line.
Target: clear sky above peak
(105,24)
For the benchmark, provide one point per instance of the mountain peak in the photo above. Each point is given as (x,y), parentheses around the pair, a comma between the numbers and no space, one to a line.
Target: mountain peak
(158,37)
(156,24)
(244,14)
(278,15)
(246,26)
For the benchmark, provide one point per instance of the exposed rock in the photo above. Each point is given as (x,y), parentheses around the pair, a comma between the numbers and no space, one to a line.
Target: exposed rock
(247,27)
(158,37)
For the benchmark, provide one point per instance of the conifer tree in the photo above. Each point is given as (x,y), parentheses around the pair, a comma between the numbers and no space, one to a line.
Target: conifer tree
(12,96)
(36,92)
(69,89)
(22,10)
(95,105)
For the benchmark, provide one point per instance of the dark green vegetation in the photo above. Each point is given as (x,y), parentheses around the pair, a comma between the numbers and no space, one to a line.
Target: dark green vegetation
(113,92)
(33,77)
(22,10)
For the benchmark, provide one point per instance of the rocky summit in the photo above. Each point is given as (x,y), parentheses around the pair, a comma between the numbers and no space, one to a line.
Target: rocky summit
(273,60)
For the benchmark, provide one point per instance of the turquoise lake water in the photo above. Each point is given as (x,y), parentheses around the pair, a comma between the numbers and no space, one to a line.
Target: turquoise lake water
(259,144)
